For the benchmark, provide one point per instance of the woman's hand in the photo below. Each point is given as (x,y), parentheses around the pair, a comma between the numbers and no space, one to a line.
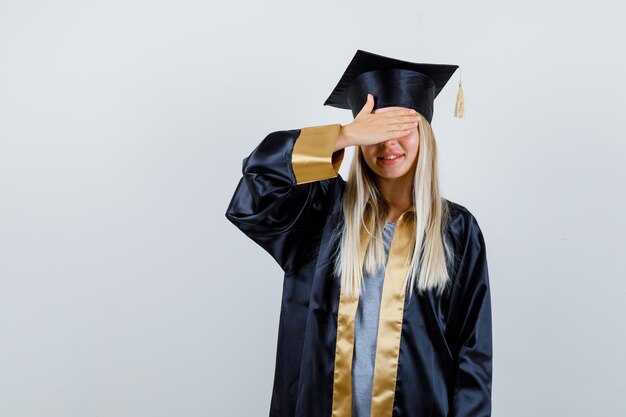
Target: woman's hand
(369,128)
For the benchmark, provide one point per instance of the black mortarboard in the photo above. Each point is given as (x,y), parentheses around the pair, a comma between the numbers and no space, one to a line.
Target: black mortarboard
(392,82)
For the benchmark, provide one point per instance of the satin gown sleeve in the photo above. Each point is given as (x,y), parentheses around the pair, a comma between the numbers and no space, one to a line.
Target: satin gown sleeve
(472,388)
(284,190)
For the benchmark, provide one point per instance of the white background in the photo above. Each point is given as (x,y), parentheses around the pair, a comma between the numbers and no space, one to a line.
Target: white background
(125,292)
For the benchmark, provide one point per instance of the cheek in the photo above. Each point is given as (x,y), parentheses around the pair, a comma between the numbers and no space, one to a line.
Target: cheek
(368,153)
(414,144)
(410,145)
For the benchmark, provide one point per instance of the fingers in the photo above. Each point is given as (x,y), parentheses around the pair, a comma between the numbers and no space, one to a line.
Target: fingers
(394,135)
(387,125)
(402,123)
(369,105)
(399,113)
(401,126)
(403,119)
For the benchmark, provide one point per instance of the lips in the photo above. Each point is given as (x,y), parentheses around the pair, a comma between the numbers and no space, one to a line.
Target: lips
(392,161)
(389,154)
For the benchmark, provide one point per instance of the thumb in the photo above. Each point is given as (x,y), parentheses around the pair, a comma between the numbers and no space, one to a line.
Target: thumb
(369,105)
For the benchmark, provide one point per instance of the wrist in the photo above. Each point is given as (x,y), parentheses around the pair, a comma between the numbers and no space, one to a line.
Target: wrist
(343,140)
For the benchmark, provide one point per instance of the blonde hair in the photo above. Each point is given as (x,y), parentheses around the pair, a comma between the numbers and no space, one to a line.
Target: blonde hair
(430,251)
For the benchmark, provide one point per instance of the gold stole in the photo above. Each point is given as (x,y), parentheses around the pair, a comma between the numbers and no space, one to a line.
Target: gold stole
(389,326)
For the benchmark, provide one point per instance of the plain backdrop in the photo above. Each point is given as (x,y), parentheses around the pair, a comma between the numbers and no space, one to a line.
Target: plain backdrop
(125,292)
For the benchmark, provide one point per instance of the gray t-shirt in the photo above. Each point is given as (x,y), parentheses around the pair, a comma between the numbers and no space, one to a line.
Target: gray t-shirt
(366,333)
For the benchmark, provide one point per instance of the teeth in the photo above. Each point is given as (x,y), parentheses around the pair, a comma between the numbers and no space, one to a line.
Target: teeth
(392,157)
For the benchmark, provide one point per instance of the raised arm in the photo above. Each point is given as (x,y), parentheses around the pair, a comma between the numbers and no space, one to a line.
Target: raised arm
(284,190)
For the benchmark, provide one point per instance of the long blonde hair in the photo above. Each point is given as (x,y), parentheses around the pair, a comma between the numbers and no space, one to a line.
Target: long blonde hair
(430,251)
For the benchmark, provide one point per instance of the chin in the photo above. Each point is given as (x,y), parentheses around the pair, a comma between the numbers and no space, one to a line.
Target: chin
(390,176)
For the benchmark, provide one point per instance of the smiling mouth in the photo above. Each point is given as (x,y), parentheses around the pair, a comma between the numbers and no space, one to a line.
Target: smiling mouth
(390,158)
(390,161)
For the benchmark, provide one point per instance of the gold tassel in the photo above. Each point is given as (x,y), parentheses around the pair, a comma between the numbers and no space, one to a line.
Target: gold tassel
(459,110)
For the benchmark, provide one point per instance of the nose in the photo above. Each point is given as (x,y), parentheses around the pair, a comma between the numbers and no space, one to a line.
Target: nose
(389,142)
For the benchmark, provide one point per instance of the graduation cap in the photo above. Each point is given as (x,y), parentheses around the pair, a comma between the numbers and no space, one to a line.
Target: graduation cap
(393,82)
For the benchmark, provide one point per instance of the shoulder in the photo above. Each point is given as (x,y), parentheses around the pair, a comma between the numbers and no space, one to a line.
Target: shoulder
(469,252)
(458,212)
(462,225)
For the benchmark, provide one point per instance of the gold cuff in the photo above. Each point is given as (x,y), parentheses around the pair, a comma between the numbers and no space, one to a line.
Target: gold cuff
(312,157)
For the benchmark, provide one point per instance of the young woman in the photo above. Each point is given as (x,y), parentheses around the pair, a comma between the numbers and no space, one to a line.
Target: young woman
(386,304)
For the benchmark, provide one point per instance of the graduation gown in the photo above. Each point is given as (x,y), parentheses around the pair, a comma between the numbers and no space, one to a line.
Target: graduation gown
(433,354)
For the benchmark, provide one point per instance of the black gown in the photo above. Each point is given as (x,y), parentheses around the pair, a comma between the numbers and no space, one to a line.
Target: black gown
(434,352)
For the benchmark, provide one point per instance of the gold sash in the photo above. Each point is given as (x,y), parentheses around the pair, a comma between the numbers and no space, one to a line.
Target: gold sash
(389,326)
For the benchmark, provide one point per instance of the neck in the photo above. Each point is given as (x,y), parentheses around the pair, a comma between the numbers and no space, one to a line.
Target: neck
(397,193)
